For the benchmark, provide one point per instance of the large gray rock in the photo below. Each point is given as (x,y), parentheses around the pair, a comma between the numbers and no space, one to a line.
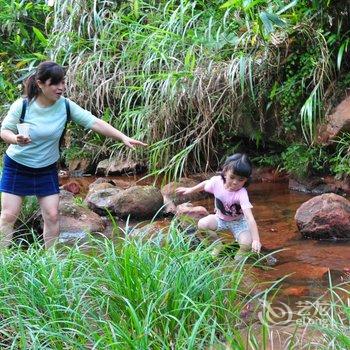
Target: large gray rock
(140,202)
(77,220)
(324,217)
(102,200)
(115,166)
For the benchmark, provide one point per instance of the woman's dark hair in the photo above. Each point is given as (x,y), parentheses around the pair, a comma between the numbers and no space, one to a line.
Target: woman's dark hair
(240,165)
(45,71)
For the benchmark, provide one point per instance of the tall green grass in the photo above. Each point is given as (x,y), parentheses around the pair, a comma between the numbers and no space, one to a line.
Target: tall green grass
(125,295)
(185,72)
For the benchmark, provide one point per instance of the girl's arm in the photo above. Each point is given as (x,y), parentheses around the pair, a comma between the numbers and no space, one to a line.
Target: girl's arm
(108,130)
(256,245)
(188,190)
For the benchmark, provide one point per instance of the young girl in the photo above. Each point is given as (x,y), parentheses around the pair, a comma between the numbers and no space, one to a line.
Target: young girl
(30,161)
(232,205)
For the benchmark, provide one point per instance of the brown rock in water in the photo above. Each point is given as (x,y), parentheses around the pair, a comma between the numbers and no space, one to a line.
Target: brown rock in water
(320,185)
(72,187)
(172,199)
(194,212)
(324,217)
(140,202)
(335,123)
(76,221)
(102,201)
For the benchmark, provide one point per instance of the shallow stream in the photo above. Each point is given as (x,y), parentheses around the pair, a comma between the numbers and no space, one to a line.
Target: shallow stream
(304,264)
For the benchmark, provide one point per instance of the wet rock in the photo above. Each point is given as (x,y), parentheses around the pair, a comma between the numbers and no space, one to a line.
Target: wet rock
(310,185)
(66,195)
(320,185)
(99,187)
(149,231)
(78,165)
(140,202)
(189,215)
(324,217)
(100,180)
(72,187)
(194,212)
(268,174)
(172,199)
(335,123)
(102,201)
(115,166)
(76,218)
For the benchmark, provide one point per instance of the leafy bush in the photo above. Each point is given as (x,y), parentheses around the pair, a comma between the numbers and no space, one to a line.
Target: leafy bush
(22,45)
(340,160)
(302,160)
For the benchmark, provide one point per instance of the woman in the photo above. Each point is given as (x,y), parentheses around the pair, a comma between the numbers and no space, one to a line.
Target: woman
(30,161)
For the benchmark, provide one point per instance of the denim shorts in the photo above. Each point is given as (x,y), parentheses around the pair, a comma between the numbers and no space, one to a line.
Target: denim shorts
(21,180)
(236,226)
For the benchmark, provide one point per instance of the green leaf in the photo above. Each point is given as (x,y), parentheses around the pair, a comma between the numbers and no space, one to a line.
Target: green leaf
(287,7)
(275,19)
(342,49)
(40,36)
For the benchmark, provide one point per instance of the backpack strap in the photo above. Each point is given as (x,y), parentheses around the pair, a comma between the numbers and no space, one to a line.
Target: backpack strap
(68,119)
(24,108)
(66,102)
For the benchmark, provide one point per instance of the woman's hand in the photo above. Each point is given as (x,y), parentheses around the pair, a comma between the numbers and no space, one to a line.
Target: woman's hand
(22,140)
(183,190)
(129,142)
(256,246)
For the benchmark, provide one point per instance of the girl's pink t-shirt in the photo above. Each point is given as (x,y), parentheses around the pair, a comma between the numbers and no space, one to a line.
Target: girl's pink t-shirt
(233,201)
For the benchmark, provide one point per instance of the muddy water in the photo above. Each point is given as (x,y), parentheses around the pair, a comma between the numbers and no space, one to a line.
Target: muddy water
(304,264)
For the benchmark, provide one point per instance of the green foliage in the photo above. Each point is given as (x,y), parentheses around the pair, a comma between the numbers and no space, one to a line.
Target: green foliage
(22,45)
(75,152)
(340,160)
(184,76)
(302,160)
(269,160)
(130,295)
(29,210)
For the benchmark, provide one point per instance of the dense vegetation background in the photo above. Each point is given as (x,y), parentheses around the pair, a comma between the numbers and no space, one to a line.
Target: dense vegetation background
(197,80)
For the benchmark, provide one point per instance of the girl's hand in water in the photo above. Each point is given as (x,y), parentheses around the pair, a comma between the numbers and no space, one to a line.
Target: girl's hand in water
(256,246)
(129,142)
(22,140)
(183,190)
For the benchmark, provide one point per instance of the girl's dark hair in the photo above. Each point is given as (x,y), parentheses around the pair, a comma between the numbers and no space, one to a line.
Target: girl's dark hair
(240,165)
(45,71)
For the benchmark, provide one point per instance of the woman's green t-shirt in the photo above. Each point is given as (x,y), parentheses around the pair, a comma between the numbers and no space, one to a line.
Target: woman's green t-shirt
(46,127)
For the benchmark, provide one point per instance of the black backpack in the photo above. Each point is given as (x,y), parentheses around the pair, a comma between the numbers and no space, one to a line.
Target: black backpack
(23,113)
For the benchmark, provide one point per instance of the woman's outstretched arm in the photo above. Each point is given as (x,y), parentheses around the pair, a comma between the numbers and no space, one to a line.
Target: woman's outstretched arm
(108,130)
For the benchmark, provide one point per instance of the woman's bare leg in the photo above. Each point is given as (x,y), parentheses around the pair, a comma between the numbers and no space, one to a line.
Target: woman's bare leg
(49,211)
(10,209)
